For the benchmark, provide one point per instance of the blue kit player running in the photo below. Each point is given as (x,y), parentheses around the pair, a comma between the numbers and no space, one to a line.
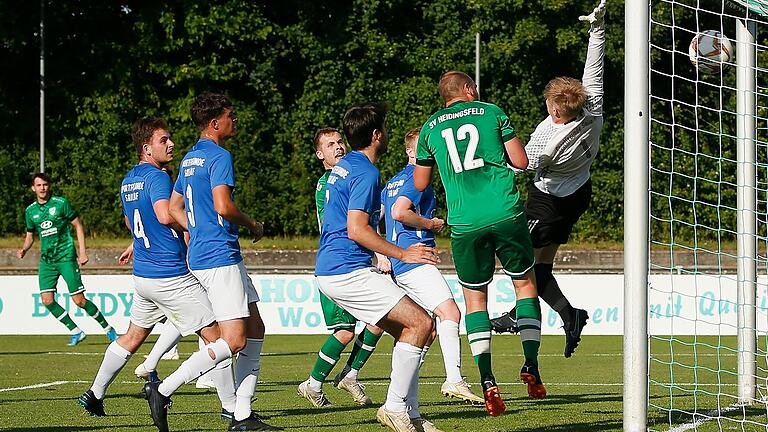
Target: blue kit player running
(163,284)
(203,203)
(410,219)
(344,268)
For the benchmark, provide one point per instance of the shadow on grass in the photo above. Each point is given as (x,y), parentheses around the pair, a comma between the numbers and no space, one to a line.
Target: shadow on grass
(75,428)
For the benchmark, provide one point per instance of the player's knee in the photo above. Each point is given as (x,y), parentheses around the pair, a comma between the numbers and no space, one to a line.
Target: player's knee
(131,342)
(235,343)
(448,311)
(47,300)
(345,336)
(79,301)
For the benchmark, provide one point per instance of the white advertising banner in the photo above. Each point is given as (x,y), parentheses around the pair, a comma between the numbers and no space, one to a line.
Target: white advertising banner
(290,304)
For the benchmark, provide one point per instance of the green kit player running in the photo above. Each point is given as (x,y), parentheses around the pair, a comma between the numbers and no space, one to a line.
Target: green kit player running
(50,216)
(473,144)
(330,148)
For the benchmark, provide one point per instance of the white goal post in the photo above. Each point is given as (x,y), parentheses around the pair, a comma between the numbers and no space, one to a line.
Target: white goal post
(695,186)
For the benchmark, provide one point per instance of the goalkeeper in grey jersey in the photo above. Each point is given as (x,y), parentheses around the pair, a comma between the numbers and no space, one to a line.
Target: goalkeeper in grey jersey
(561,151)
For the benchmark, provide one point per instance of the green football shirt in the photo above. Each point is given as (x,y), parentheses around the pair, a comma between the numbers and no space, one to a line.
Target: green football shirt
(51,221)
(320,198)
(466,141)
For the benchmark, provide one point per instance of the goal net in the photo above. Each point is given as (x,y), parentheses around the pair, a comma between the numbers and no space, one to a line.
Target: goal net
(708,181)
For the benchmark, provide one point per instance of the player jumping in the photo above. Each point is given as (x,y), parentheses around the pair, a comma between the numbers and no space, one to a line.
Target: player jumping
(561,151)
(472,144)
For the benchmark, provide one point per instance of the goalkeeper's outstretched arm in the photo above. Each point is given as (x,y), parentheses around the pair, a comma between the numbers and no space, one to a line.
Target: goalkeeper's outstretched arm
(594,66)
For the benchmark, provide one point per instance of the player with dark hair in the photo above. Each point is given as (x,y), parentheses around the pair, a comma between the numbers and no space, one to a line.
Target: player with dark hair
(203,203)
(345,271)
(329,148)
(164,287)
(473,144)
(51,216)
(561,151)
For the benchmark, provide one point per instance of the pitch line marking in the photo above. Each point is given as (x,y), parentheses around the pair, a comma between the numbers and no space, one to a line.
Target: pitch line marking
(705,417)
(558,384)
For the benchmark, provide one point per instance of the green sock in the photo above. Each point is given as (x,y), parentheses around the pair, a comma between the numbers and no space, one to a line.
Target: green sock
(94,313)
(60,314)
(479,335)
(329,354)
(529,322)
(363,349)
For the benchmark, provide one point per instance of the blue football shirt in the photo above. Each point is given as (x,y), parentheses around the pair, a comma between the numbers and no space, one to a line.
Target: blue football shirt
(158,251)
(352,185)
(423,204)
(213,241)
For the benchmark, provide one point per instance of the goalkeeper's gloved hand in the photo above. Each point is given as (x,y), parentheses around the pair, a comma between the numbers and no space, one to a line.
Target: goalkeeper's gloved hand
(597,15)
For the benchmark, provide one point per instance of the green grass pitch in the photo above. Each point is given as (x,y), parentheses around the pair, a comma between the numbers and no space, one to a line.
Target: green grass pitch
(585,391)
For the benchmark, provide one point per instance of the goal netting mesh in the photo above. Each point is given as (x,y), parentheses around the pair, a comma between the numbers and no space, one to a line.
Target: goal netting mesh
(694,351)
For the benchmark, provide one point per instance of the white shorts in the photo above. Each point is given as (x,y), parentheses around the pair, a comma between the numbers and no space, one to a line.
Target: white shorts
(229,289)
(426,286)
(182,299)
(364,293)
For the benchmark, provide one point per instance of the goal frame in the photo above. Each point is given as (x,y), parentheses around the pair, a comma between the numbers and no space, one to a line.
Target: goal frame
(637,121)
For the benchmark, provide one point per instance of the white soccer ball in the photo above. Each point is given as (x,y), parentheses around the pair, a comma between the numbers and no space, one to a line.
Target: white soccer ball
(709,50)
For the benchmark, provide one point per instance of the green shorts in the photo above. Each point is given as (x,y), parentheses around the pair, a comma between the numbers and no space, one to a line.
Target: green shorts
(336,317)
(474,251)
(48,276)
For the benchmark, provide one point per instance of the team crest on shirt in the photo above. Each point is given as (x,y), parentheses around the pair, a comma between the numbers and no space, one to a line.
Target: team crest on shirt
(52,211)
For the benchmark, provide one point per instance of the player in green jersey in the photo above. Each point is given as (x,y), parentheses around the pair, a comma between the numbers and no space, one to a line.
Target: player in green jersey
(330,148)
(473,145)
(50,216)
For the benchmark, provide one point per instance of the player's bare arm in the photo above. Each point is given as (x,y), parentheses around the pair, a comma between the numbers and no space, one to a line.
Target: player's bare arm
(403,212)
(516,153)
(82,256)
(422,177)
(224,206)
(28,241)
(362,233)
(126,255)
(162,211)
(176,210)
(382,261)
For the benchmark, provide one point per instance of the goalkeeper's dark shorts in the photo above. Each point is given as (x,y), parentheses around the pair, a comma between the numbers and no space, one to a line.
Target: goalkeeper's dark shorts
(551,218)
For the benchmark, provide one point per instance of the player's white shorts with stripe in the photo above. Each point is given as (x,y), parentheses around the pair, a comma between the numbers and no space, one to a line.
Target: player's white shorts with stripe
(229,289)
(364,293)
(426,286)
(182,299)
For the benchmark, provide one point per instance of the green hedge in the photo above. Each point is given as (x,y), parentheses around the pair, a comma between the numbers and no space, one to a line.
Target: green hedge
(291,68)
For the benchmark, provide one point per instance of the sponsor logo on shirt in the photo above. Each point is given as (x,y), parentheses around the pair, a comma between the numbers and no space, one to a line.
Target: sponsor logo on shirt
(46,224)
(49,232)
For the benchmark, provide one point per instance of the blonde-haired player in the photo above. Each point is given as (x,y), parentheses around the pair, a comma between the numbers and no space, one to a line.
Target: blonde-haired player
(561,151)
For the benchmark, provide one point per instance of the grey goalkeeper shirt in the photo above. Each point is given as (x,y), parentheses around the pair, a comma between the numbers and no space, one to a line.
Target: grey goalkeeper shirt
(562,154)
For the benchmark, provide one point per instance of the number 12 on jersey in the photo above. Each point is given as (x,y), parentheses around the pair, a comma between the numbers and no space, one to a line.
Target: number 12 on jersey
(464,131)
